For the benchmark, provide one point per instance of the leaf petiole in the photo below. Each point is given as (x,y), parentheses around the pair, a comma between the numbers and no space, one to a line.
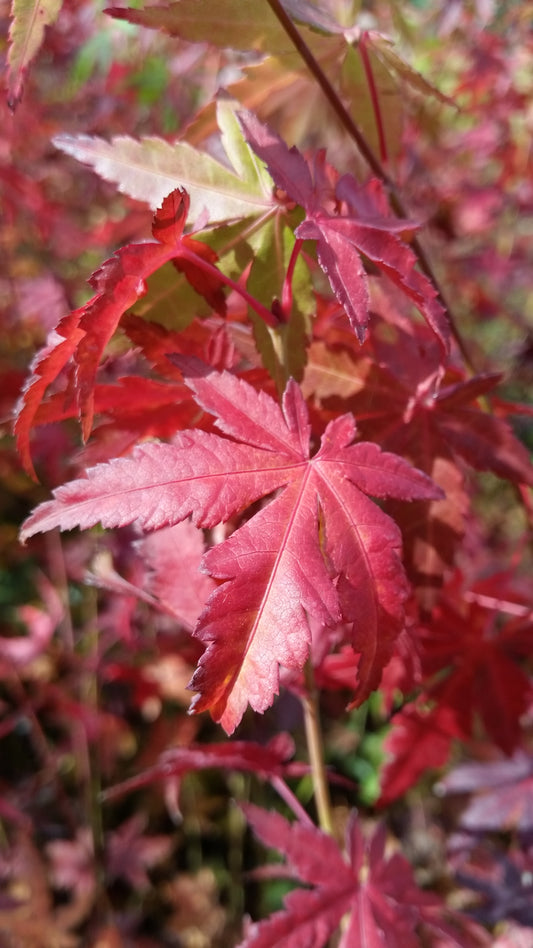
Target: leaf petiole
(286,295)
(265,314)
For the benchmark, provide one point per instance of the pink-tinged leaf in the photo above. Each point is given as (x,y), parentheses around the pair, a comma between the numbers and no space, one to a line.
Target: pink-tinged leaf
(310,917)
(30,18)
(503,790)
(173,557)
(513,936)
(321,548)
(310,853)
(340,238)
(242,412)
(382,474)
(161,484)
(20,650)
(71,863)
(369,202)
(366,543)
(343,239)
(342,264)
(275,575)
(40,623)
(287,166)
(130,853)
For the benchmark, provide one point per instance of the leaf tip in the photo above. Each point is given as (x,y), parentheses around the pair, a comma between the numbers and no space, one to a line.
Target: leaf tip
(13,101)
(15,88)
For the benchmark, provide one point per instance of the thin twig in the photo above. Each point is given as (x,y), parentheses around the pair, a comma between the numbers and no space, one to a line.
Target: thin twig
(291,800)
(315,746)
(365,59)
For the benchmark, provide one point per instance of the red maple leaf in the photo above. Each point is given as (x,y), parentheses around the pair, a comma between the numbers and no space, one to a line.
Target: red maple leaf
(473,655)
(206,339)
(378,895)
(172,558)
(270,760)
(364,229)
(432,419)
(321,547)
(119,283)
(440,428)
(420,739)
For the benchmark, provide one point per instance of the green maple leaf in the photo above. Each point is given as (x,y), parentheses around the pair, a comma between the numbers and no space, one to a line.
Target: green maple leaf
(150,168)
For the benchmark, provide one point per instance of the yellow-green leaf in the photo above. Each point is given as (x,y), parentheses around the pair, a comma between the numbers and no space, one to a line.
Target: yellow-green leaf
(30,17)
(228,24)
(151,168)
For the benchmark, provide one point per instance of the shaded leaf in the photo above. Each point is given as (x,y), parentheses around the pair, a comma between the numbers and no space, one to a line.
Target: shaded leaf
(503,793)
(439,427)
(472,655)
(130,853)
(418,741)
(383,49)
(231,23)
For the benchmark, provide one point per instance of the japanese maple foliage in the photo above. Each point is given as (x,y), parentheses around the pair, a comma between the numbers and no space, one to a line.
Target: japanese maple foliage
(376,895)
(297,437)
(120,281)
(282,564)
(348,221)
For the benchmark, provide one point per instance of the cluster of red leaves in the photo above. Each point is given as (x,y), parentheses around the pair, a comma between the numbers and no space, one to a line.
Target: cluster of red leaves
(250,380)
